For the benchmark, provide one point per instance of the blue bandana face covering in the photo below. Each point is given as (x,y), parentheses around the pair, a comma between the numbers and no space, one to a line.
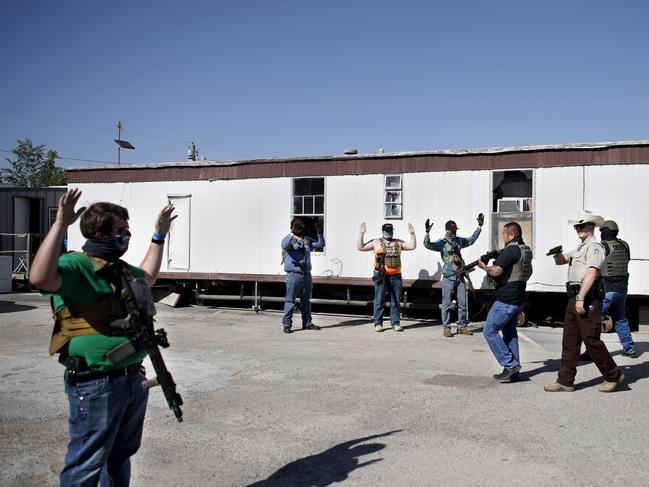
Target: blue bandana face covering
(108,248)
(388,236)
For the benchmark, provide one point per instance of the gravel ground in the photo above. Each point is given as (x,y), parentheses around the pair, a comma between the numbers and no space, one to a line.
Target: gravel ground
(339,406)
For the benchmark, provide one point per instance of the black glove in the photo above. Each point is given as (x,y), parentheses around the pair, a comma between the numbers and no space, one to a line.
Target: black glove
(429,225)
(481,219)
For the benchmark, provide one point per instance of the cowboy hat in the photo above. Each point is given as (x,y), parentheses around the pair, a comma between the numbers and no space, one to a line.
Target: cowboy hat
(586,216)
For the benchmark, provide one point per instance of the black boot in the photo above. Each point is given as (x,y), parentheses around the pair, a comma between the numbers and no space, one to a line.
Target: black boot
(509,374)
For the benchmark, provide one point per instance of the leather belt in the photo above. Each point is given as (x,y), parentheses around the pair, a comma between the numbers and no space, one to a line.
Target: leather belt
(73,377)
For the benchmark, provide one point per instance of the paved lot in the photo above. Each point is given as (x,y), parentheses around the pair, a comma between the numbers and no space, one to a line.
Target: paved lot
(342,406)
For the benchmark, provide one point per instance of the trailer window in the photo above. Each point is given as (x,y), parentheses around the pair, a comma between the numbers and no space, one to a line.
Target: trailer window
(513,201)
(309,202)
(392,202)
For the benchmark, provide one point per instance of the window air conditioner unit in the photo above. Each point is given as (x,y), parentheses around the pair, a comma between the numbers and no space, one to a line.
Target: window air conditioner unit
(506,205)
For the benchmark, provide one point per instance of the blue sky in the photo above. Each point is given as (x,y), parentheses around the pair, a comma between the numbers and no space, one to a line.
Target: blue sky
(247,79)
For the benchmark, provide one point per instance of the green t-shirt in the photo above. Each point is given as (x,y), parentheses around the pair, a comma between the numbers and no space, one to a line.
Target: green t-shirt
(80,285)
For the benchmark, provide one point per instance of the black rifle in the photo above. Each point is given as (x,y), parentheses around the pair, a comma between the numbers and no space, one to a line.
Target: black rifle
(555,250)
(138,328)
(492,254)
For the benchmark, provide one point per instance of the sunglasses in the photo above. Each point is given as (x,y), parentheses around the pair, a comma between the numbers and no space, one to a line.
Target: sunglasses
(124,231)
(580,226)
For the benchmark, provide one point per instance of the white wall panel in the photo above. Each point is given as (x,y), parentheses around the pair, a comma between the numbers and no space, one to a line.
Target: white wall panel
(621,193)
(442,196)
(237,225)
(558,198)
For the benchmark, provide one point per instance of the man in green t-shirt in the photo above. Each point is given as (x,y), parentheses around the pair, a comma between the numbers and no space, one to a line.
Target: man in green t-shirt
(107,400)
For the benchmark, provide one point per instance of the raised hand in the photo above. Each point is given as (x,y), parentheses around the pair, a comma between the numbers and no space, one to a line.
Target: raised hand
(318,227)
(66,215)
(411,229)
(429,225)
(363,228)
(480,219)
(164,219)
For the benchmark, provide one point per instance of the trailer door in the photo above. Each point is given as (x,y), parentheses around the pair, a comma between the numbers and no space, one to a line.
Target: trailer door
(179,235)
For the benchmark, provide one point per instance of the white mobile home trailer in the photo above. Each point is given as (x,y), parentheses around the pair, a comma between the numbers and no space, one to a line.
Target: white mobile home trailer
(232,215)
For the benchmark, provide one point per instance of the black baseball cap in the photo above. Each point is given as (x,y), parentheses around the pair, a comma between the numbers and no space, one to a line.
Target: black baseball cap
(451,225)
(387,227)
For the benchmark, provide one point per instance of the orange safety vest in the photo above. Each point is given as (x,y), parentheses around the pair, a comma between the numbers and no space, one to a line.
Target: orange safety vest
(392,261)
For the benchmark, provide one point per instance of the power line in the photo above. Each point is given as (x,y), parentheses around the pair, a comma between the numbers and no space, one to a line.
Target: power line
(105,129)
(72,158)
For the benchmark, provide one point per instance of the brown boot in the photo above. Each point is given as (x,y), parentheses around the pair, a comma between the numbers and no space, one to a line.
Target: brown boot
(448,333)
(465,331)
(607,386)
(556,387)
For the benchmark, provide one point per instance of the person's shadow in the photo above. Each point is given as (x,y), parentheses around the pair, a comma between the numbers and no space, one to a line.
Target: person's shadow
(12,307)
(325,468)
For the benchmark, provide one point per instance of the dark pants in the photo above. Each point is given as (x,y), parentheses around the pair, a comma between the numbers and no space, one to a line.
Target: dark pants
(586,328)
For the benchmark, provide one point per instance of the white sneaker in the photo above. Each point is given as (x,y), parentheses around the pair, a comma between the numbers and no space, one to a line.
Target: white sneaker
(378,328)
(397,327)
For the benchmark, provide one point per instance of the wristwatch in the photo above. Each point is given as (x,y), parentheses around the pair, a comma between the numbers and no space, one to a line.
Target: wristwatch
(578,298)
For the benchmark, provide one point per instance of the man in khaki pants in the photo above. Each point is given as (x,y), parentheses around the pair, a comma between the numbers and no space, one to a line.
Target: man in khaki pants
(583,318)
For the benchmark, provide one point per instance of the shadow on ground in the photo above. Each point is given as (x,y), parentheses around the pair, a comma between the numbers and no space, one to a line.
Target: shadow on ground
(12,307)
(354,322)
(330,466)
(633,372)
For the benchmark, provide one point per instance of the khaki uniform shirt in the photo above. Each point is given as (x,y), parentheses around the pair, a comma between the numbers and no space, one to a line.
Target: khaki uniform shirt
(588,254)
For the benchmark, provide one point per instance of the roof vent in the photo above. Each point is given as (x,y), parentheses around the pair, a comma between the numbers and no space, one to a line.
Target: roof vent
(381,151)
(351,152)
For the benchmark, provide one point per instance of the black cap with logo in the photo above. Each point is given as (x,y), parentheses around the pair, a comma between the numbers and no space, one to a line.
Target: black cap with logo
(451,225)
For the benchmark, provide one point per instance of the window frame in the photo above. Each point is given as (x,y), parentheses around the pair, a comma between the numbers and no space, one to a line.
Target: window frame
(516,216)
(396,190)
(321,216)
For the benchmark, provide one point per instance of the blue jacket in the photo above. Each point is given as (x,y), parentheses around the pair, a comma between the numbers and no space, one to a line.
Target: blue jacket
(445,245)
(298,252)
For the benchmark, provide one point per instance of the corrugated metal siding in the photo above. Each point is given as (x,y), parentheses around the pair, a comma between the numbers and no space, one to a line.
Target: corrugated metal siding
(50,197)
(368,164)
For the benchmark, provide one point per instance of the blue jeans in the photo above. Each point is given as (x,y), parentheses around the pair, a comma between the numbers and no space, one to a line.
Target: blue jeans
(106,420)
(614,304)
(503,317)
(392,286)
(448,286)
(297,285)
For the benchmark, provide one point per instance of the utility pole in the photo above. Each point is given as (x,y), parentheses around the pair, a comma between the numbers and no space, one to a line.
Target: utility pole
(119,147)
(121,144)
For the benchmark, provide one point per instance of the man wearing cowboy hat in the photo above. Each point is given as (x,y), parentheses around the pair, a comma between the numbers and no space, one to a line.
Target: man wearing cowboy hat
(583,318)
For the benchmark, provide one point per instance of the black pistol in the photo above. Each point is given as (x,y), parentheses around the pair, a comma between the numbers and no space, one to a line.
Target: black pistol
(555,250)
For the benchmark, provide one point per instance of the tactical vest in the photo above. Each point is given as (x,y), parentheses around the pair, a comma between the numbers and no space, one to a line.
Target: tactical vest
(392,261)
(452,256)
(521,270)
(86,319)
(617,261)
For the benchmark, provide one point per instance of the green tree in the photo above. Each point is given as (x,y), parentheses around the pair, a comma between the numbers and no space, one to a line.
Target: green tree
(32,167)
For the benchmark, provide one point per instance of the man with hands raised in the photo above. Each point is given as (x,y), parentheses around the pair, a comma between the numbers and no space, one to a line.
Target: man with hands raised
(387,270)
(107,400)
(450,247)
